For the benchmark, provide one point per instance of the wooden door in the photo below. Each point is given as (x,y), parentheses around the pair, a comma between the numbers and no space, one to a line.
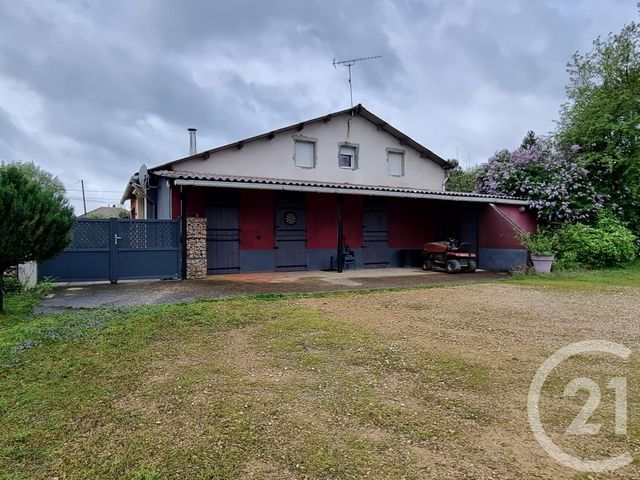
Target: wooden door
(291,232)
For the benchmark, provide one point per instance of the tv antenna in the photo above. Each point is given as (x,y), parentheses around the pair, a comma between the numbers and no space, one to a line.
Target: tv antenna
(350,63)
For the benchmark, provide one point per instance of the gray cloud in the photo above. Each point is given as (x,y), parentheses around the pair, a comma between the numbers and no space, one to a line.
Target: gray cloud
(93,89)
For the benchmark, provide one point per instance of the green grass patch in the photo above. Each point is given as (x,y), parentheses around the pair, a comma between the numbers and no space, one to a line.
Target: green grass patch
(61,374)
(257,387)
(582,279)
(154,392)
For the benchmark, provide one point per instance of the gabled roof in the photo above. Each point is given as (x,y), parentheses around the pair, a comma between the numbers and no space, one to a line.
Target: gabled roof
(357,110)
(234,181)
(106,212)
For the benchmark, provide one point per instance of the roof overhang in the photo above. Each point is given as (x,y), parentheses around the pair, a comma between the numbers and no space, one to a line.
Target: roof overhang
(128,192)
(226,181)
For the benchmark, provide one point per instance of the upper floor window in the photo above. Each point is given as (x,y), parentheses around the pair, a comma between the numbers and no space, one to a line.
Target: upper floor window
(304,153)
(348,156)
(395,163)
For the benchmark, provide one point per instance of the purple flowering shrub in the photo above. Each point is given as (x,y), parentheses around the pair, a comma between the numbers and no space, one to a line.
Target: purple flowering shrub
(556,182)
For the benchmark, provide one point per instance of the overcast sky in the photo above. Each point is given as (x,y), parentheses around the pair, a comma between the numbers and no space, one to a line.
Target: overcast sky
(92,89)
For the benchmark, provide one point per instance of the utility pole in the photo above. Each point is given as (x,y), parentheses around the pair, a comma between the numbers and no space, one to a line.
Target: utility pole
(84,200)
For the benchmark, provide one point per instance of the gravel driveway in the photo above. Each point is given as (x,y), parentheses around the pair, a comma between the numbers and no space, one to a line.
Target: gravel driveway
(78,296)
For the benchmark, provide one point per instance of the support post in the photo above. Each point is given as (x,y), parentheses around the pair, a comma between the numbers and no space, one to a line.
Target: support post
(183,224)
(340,253)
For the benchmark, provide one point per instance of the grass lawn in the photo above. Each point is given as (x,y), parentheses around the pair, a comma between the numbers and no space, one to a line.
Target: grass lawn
(413,383)
(597,279)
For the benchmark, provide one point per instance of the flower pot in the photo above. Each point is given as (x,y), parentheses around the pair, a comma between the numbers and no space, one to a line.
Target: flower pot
(542,263)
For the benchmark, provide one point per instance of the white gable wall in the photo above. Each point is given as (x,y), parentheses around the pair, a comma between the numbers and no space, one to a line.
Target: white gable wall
(274,158)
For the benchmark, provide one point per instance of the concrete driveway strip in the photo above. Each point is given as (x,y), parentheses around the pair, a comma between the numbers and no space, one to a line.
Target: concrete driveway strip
(88,296)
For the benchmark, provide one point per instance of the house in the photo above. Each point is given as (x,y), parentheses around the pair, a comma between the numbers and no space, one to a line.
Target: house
(296,197)
(107,212)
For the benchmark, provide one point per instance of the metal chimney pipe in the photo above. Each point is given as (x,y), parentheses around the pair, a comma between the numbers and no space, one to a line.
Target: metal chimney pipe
(192,141)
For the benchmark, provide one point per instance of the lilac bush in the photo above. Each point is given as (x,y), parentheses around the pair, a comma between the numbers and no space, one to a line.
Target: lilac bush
(556,182)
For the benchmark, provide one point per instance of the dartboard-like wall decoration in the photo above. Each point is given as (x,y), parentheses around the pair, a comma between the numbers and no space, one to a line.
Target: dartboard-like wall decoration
(290,218)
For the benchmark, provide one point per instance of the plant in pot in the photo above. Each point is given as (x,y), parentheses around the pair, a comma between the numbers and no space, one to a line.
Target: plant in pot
(542,247)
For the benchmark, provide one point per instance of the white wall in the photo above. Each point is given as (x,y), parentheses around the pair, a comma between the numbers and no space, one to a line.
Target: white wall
(163,200)
(274,158)
(28,274)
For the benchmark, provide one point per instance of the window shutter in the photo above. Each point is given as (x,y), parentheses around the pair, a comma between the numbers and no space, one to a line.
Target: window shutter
(396,164)
(304,154)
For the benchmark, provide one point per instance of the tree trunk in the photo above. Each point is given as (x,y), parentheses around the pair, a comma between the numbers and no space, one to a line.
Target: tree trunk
(1,290)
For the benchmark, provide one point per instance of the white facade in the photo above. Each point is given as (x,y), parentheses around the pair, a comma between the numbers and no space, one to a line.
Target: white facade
(274,158)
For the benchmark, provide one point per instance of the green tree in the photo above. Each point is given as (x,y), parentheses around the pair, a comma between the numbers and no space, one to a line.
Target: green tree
(461,180)
(35,216)
(602,117)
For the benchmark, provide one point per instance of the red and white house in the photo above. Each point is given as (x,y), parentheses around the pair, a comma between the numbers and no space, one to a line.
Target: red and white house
(289,199)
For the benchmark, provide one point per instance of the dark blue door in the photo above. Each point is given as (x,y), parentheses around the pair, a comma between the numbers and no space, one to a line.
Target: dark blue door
(375,233)
(223,232)
(291,232)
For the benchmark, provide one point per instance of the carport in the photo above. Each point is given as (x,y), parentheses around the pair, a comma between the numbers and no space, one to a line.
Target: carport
(263,225)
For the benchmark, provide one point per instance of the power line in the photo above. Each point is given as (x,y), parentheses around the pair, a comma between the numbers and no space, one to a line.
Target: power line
(98,199)
(92,191)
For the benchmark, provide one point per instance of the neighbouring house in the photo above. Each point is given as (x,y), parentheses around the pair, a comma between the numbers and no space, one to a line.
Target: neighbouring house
(107,212)
(295,198)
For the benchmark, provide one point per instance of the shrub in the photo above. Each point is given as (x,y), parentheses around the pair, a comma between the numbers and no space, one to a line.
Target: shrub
(540,243)
(566,261)
(11,285)
(461,180)
(607,244)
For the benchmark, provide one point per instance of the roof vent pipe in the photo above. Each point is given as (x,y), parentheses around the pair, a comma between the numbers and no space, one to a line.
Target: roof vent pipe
(192,141)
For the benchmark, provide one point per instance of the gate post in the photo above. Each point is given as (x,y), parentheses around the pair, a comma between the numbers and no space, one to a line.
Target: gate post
(340,252)
(196,247)
(113,250)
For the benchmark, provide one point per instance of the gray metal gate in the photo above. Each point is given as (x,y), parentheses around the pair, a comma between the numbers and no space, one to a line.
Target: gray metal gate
(116,249)
(291,232)
(375,233)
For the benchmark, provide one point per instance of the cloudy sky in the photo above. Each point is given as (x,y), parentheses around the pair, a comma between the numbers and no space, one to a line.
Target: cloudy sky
(92,89)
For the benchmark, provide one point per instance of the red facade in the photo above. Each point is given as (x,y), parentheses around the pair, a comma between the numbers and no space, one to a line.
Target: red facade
(409,222)
(352,221)
(322,224)
(497,232)
(257,210)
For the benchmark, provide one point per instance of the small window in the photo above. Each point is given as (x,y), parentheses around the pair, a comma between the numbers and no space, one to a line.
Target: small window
(347,157)
(305,153)
(395,163)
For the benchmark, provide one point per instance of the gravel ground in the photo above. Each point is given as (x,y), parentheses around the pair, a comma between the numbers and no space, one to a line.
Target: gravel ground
(66,297)
(509,331)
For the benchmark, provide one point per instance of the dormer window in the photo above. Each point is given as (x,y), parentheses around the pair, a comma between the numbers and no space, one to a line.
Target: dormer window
(348,156)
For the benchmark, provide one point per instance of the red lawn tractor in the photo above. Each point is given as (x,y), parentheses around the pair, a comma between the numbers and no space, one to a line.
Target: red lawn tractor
(450,256)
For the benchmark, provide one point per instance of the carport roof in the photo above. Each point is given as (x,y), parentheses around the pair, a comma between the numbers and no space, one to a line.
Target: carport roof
(265,183)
